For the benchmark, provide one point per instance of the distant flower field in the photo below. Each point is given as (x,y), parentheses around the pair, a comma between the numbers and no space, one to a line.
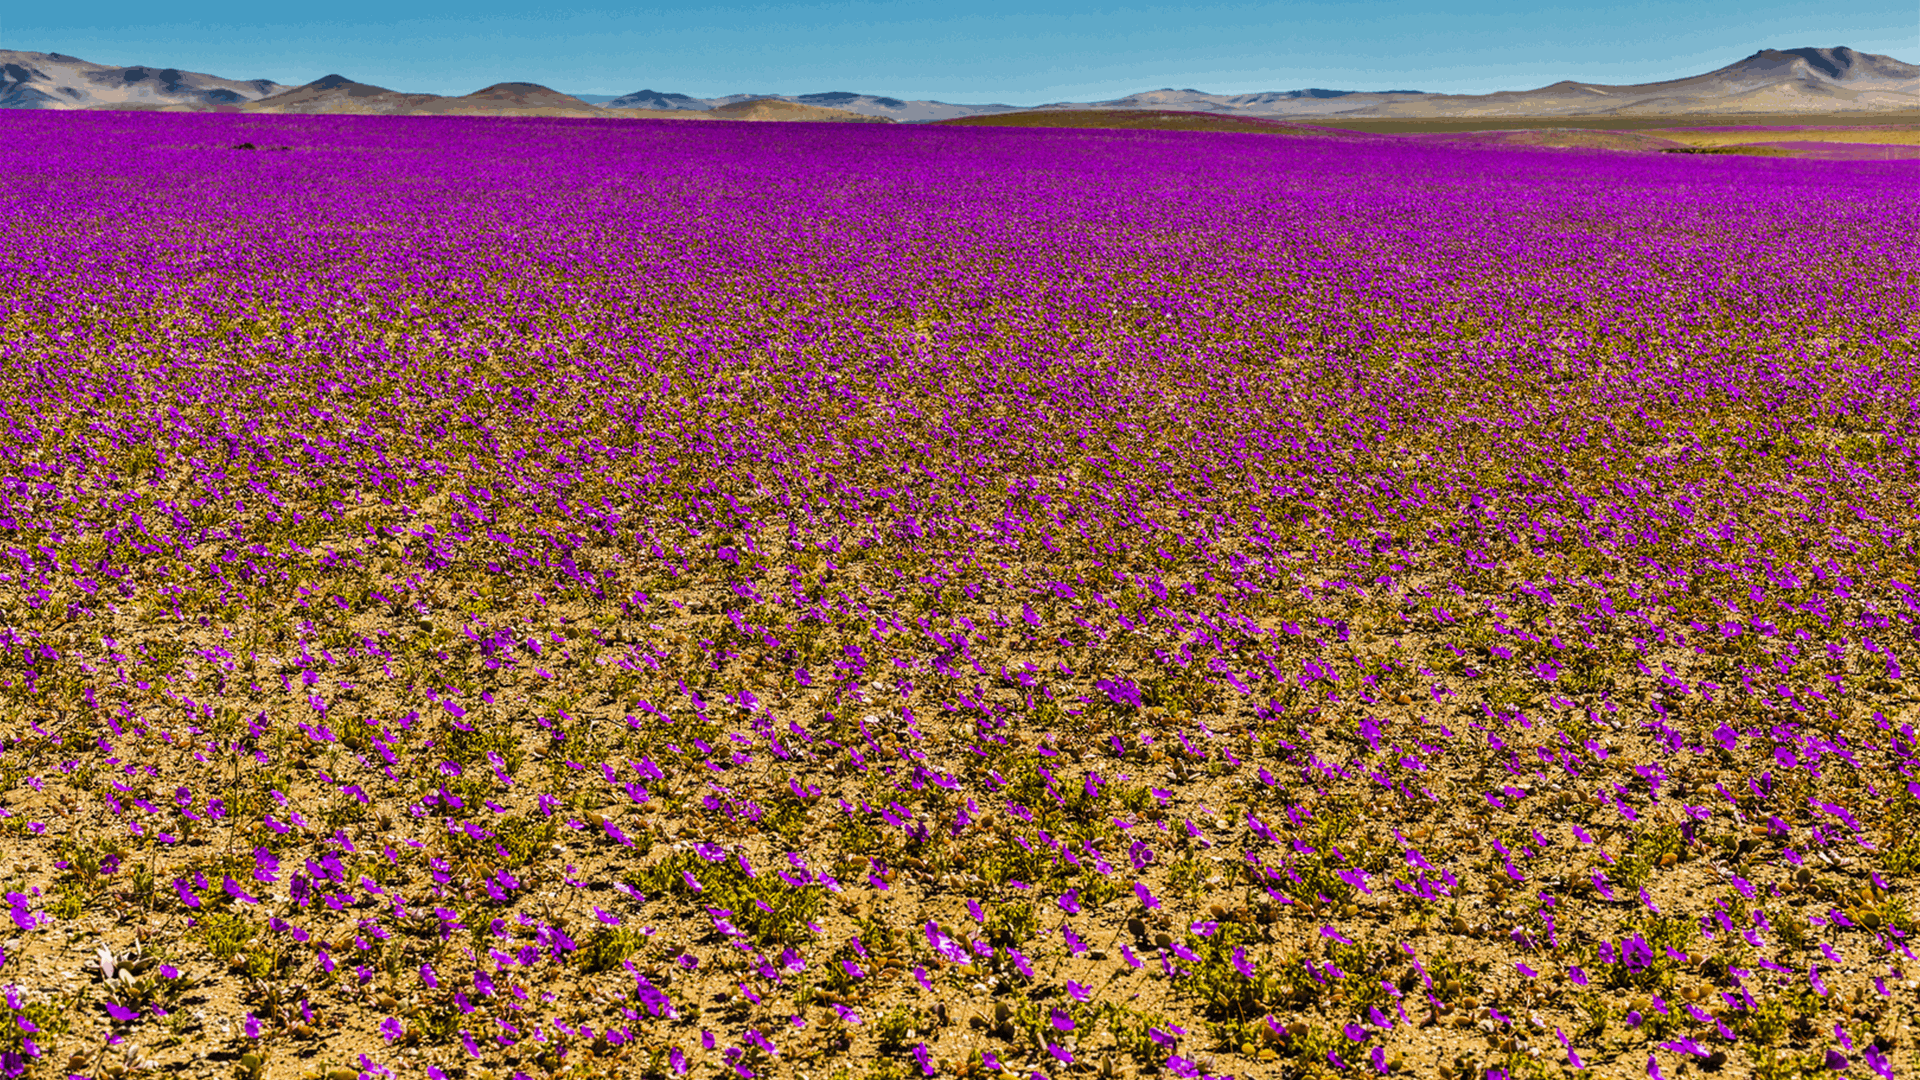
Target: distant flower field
(505,599)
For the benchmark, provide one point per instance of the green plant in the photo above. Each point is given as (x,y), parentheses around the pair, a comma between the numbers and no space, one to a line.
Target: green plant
(67,902)
(1650,850)
(1903,857)
(54,1017)
(225,933)
(1888,911)
(787,815)
(1777,1015)
(1012,862)
(527,838)
(478,745)
(1129,1027)
(1595,1012)
(1010,924)
(760,904)
(608,946)
(1773,1063)
(1309,1047)
(877,934)
(894,1029)
(1187,877)
(888,1069)
(1454,977)
(138,980)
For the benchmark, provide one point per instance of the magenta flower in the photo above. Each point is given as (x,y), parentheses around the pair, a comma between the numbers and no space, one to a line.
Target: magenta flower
(1241,963)
(943,946)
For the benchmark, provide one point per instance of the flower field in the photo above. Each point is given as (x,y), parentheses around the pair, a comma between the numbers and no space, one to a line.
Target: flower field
(499,599)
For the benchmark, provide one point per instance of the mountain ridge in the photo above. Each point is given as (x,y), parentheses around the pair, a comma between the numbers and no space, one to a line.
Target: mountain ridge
(35,80)
(332,94)
(1805,81)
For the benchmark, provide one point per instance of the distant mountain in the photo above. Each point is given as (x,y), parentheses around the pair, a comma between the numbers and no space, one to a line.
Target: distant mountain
(516,99)
(1770,81)
(1805,81)
(654,99)
(34,80)
(1270,103)
(898,110)
(772,108)
(864,104)
(339,94)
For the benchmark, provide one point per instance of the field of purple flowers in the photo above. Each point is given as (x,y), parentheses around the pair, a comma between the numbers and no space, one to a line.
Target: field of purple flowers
(527,599)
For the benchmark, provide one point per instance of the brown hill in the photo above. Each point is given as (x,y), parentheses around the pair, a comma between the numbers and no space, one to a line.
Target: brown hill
(512,99)
(776,109)
(339,94)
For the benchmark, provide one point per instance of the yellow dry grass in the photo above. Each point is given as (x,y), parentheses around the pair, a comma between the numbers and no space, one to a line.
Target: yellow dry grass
(1888,136)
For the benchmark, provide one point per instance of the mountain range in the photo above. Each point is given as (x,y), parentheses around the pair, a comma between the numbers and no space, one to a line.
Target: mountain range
(30,80)
(1771,81)
(339,94)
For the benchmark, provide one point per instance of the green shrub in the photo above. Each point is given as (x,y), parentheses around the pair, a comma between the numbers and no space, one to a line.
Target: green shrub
(608,946)
(895,1029)
(225,933)
(1010,924)
(762,905)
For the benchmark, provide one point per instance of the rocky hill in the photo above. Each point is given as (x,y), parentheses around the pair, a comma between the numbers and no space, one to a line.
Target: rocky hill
(37,80)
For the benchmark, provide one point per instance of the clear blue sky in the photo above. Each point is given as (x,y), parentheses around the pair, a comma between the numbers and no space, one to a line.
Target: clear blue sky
(1020,52)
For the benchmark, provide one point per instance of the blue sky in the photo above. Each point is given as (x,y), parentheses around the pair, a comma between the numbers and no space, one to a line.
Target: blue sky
(1014,51)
